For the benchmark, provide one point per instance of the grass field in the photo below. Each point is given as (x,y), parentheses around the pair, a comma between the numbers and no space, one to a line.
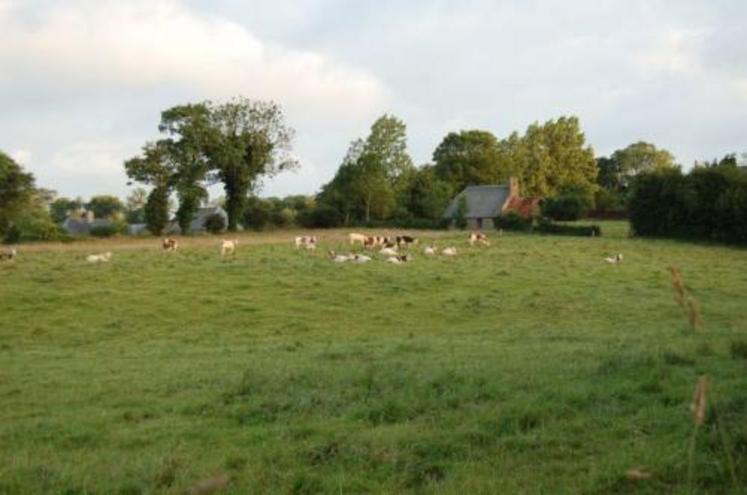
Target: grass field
(528,367)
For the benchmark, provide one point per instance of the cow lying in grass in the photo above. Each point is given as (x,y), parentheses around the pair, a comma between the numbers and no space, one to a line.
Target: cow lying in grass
(352,257)
(228,247)
(306,242)
(387,251)
(449,251)
(430,250)
(8,255)
(398,260)
(170,244)
(614,260)
(99,258)
(478,238)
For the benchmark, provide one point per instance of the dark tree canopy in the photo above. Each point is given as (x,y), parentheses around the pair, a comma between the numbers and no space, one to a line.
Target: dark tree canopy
(16,191)
(469,158)
(105,206)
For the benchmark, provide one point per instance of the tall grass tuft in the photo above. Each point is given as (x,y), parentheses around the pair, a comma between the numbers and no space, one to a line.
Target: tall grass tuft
(684,299)
(698,408)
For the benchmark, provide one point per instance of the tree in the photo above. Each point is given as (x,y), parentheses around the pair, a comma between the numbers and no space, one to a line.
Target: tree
(634,159)
(16,191)
(61,208)
(190,137)
(428,195)
(469,158)
(155,167)
(135,205)
(246,140)
(105,206)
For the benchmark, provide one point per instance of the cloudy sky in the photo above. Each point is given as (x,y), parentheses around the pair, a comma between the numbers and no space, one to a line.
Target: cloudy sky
(83,82)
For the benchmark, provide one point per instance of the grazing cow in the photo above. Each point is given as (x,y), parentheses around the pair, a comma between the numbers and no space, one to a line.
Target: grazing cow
(614,260)
(228,247)
(8,255)
(478,238)
(398,260)
(405,240)
(170,244)
(357,238)
(99,258)
(430,250)
(387,251)
(449,251)
(340,258)
(306,241)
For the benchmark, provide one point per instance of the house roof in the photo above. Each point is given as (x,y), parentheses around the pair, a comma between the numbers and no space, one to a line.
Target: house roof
(525,207)
(482,201)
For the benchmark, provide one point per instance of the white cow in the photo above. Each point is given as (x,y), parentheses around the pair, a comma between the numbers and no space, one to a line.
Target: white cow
(388,251)
(430,250)
(99,258)
(228,247)
(614,260)
(357,238)
(449,251)
(306,241)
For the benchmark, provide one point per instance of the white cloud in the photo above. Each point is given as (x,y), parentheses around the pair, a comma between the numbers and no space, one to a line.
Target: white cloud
(146,44)
(22,157)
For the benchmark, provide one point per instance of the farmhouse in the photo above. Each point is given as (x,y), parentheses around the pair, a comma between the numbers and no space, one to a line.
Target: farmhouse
(482,204)
(197,226)
(81,223)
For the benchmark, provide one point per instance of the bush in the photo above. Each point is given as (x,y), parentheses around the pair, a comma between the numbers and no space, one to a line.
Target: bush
(322,217)
(513,221)
(215,223)
(282,217)
(104,231)
(13,235)
(709,203)
(565,207)
(547,227)
(257,214)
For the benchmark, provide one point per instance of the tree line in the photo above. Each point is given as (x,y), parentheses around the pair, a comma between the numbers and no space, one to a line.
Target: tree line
(239,143)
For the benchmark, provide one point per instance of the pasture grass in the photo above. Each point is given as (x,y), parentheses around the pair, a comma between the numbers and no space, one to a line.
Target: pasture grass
(528,367)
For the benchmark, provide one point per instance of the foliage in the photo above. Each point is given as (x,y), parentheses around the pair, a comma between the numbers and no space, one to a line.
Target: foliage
(322,216)
(104,230)
(460,218)
(469,158)
(215,223)
(16,191)
(513,221)
(547,227)
(708,203)
(257,213)
(427,196)
(565,207)
(61,208)
(157,210)
(105,206)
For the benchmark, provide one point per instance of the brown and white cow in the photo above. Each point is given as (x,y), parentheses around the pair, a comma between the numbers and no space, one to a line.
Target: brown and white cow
(405,240)
(170,244)
(357,238)
(228,247)
(306,242)
(478,238)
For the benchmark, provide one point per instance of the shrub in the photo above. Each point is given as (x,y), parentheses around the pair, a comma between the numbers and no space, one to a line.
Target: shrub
(257,214)
(13,235)
(104,230)
(215,223)
(709,203)
(513,221)
(565,207)
(547,227)
(321,216)
(282,217)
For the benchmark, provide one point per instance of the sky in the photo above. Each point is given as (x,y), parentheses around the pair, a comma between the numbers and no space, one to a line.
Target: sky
(83,82)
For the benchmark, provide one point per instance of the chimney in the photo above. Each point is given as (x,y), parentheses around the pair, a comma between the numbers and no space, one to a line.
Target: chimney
(513,187)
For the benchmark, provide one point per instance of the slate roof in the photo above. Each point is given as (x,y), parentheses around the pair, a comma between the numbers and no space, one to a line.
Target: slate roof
(77,226)
(482,201)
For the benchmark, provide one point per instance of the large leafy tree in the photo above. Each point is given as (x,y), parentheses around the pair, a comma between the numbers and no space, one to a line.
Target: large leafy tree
(428,195)
(135,205)
(105,206)
(636,158)
(469,158)
(155,167)
(61,208)
(16,191)
(246,140)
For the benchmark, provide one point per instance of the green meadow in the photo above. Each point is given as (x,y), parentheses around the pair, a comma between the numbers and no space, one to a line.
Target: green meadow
(530,366)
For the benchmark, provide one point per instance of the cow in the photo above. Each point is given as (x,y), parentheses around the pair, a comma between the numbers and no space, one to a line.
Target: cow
(376,240)
(99,258)
(398,260)
(306,241)
(8,255)
(228,247)
(387,251)
(614,260)
(357,239)
(170,244)
(449,251)
(340,258)
(430,250)
(478,238)
(405,240)
(360,258)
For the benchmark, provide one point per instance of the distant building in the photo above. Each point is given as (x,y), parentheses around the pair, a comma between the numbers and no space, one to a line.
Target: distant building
(197,226)
(484,203)
(81,223)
